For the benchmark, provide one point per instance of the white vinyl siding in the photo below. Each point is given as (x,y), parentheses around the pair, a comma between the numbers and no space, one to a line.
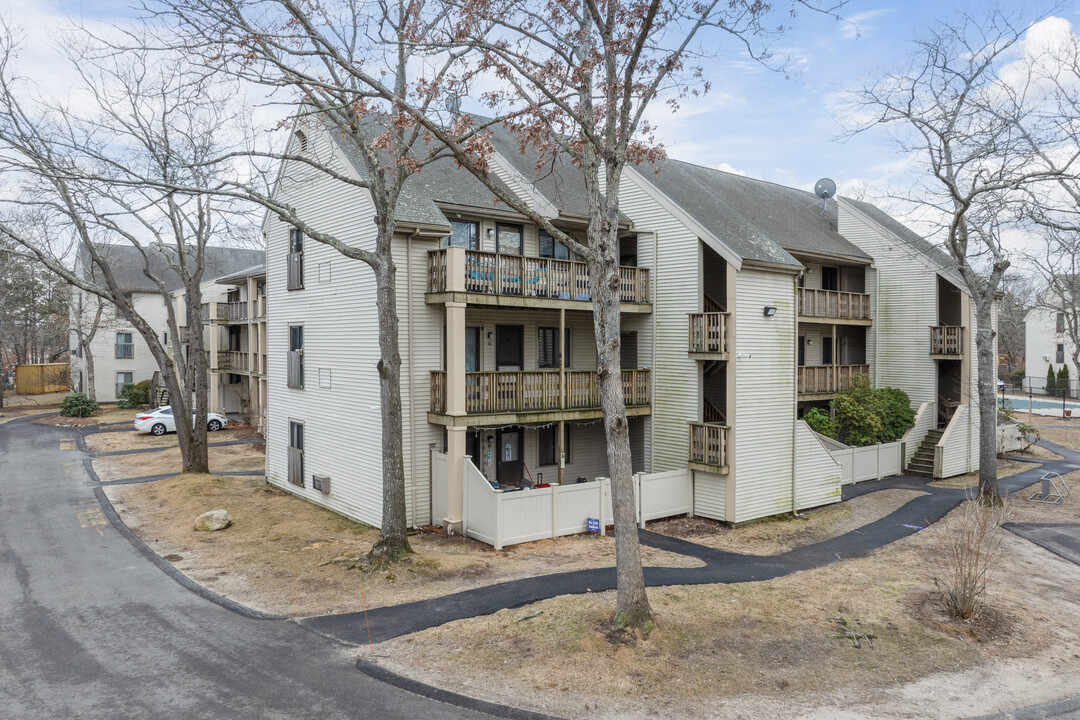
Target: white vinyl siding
(343,426)
(710,495)
(766,388)
(819,475)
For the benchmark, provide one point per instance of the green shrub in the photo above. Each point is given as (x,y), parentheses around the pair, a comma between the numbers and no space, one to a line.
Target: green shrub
(865,416)
(1051,381)
(894,409)
(78,405)
(1017,378)
(131,396)
(1063,380)
(820,422)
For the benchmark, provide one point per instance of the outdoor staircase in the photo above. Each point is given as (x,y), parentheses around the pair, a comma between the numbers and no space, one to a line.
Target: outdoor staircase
(922,464)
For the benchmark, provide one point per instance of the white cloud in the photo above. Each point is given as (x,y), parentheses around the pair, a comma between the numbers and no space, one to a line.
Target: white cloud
(858,24)
(725,167)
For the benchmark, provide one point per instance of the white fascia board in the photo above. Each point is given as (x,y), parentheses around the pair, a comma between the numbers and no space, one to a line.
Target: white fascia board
(524,187)
(684,217)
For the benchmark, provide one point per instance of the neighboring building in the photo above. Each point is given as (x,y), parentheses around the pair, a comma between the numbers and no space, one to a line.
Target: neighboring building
(1047,345)
(234,339)
(743,304)
(120,354)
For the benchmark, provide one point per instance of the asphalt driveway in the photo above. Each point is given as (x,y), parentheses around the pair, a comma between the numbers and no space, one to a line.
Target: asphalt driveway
(90,629)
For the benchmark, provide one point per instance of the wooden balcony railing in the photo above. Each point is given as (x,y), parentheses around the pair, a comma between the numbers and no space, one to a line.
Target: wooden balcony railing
(232,311)
(833,304)
(708,333)
(828,378)
(947,340)
(536,391)
(232,360)
(709,443)
(518,276)
(185,334)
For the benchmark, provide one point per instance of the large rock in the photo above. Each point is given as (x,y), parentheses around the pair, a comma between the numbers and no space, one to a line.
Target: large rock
(213,520)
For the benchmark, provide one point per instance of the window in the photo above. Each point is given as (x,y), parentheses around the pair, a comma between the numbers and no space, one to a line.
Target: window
(464,233)
(295,374)
(830,278)
(547,345)
(545,441)
(472,349)
(1061,322)
(552,248)
(1060,353)
(125,347)
(508,238)
(826,351)
(296,453)
(296,260)
(122,379)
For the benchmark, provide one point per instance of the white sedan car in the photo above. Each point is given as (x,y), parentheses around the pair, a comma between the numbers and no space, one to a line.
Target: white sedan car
(160,421)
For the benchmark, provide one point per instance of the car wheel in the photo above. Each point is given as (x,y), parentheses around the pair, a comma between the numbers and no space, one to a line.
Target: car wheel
(214,425)
(158,429)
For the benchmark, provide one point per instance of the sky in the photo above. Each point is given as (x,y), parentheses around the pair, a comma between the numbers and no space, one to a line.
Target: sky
(777,126)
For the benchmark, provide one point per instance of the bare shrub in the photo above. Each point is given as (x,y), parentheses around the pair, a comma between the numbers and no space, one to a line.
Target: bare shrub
(969,544)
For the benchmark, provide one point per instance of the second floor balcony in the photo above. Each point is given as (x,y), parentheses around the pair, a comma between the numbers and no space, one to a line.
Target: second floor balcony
(708,447)
(946,342)
(708,338)
(834,306)
(828,379)
(518,281)
(534,395)
(232,360)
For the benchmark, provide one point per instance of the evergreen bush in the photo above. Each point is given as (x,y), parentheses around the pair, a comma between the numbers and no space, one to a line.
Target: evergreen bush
(1051,381)
(865,416)
(1017,378)
(821,422)
(78,405)
(1063,380)
(131,396)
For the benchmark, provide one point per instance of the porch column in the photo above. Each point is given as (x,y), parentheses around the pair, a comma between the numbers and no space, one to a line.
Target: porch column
(729,379)
(455,407)
(835,362)
(212,337)
(560,439)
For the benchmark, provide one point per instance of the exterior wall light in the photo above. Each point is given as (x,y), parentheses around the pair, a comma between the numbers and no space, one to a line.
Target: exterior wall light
(770,311)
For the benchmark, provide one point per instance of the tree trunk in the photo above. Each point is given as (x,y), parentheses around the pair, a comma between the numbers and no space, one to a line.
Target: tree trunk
(632,607)
(984,342)
(191,435)
(90,386)
(393,542)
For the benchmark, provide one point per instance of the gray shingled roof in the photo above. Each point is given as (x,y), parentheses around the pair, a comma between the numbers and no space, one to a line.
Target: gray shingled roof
(127,264)
(557,178)
(243,274)
(443,181)
(760,221)
(917,242)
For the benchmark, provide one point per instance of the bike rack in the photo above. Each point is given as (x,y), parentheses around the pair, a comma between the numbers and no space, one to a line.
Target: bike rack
(1052,490)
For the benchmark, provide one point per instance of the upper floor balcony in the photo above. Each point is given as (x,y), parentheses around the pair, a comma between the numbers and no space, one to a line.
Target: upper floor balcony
(233,361)
(707,337)
(485,278)
(834,306)
(535,395)
(828,379)
(946,342)
(185,334)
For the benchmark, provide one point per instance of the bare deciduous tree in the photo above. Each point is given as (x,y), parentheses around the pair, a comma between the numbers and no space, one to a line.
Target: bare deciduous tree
(965,107)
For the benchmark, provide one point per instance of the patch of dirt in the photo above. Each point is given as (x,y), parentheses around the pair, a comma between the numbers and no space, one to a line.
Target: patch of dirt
(279,545)
(106,416)
(1022,510)
(770,536)
(242,458)
(1005,468)
(765,649)
(135,440)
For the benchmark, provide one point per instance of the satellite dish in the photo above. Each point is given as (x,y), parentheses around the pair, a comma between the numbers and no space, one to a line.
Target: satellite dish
(453,104)
(825,188)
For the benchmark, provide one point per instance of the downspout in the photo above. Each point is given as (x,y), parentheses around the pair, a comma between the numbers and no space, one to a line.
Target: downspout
(795,406)
(652,298)
(877,325)
(409,356)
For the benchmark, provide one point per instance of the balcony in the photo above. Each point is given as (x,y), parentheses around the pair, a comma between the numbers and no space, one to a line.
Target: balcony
(708,447)
(828,379)
(229,312)
(482,278)
(834,306)
(531,396)
(946,342)
(185,334)
(707,338)
(260,308)
(232,360)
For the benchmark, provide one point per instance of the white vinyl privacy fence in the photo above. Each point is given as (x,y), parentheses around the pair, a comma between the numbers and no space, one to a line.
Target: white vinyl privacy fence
(866,463)
(508,517)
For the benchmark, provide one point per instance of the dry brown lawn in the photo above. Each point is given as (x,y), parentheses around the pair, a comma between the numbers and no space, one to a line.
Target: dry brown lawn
(767,649)
(167,460)
(135,440)
(106,416)
(279,545)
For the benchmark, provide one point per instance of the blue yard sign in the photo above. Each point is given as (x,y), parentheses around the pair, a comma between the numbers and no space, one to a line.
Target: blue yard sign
(592,525)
